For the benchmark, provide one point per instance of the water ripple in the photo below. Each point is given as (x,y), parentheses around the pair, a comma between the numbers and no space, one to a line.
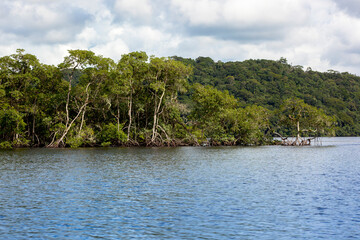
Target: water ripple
(269,192)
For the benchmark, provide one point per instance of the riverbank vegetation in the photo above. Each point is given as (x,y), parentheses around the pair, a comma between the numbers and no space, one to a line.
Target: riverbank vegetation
(91,100)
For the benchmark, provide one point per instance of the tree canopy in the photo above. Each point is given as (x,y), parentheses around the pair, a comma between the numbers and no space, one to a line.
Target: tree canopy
(304,120)
(91,100)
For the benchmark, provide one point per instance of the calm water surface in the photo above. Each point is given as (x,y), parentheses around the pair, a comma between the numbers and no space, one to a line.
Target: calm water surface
(269,192)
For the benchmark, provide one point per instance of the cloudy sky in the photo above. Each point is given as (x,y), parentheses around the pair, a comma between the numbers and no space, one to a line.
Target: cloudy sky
(322,34)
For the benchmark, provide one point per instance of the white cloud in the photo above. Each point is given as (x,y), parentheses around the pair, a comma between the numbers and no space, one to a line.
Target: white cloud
(114,47)
(350,6)
(41,23)
(321,34)
(198,12)
(136,9)
(242,14)
(265,13)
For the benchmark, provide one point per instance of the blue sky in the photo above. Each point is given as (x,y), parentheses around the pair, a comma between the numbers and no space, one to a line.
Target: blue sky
(322,34)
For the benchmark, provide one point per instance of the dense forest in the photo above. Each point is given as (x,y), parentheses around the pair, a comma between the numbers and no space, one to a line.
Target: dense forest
(268,83)
(91,100)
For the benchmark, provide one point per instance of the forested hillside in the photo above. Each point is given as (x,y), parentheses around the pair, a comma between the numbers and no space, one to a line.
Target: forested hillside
(268,83)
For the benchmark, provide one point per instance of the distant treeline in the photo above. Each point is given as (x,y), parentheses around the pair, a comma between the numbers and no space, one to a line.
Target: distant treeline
(268,83)
(90,100)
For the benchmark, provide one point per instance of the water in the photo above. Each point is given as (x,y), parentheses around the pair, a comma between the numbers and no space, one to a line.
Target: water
(269,192)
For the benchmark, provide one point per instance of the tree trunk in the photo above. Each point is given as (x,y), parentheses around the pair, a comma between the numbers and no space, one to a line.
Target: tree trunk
(118,118)
(156,111)
(82,121)
(68,126)
(130,114)
(33,129)
(68,95)
(67,103)
(297,140)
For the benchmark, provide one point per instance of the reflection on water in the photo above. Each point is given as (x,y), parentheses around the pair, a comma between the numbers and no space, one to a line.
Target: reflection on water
(269,192)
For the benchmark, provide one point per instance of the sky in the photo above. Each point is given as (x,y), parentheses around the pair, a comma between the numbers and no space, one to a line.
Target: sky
(321,34)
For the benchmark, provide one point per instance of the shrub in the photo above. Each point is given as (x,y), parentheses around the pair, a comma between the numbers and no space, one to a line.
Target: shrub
(110,133)
(5,145)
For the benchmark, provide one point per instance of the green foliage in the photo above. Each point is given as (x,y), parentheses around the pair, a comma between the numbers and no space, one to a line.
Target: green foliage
(78,59)
(90,100)
(11,124)
(6,145)
(253,123)
(111,133)
(75,141)
(85,137)
(106,144)
(268,83)
(305,119)
(20,141)
(221,119)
